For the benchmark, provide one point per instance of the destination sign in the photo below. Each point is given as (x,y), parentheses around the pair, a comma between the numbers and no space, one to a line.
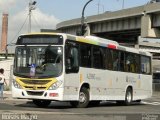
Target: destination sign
(40,39)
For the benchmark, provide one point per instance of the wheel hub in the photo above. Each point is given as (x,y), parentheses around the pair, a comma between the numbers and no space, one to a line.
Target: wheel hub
(129,97)
(82,97)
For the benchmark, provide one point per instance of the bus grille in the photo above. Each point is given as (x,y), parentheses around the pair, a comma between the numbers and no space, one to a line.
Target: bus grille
(36,82)
(35,93)
(33,88)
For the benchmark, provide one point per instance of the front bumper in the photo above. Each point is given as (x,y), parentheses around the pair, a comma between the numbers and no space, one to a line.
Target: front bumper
(55,95)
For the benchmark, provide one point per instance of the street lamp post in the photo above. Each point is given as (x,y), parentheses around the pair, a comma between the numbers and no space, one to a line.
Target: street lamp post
(31,7)
(123,5)
(99,6)
(82,18)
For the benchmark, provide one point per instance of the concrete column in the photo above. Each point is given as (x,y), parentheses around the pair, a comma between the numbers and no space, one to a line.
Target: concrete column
(146,27)
(87,30)
(137,45)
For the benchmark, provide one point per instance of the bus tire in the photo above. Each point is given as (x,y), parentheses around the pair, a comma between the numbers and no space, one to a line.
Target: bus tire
(128,97)
(83,99)
(42,103)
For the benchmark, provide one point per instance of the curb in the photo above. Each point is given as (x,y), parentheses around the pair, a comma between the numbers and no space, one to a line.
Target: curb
(7,92)
(8,97)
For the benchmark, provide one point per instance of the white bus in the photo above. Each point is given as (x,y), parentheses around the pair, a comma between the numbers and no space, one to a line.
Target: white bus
(81,70)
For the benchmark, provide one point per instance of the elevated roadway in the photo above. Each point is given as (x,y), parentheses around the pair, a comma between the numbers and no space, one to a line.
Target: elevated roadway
(123,25)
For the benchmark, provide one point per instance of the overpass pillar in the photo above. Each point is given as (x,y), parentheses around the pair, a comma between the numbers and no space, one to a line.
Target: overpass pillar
(146,27)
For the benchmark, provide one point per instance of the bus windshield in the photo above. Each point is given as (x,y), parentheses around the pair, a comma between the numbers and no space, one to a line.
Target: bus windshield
(38,61)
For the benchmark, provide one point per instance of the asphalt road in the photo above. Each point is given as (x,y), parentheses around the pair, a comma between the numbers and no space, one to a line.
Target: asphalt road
(26,110)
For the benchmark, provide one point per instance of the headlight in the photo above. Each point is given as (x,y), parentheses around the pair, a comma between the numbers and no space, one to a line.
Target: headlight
(55,85)
(16,84)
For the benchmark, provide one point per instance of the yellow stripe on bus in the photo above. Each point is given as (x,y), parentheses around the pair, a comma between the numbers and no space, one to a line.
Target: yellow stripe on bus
(80,39)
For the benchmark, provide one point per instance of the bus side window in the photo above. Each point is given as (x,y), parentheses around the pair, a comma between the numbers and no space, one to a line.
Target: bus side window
(72,56)
(127,62)
(98,58)
(122,61)
(85,55)
(145,65)
(115,55)
(109,59)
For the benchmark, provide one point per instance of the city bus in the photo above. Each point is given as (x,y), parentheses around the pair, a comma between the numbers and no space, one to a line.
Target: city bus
(81,70)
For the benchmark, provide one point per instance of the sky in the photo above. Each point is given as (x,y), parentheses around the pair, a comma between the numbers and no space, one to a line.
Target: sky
(50,12)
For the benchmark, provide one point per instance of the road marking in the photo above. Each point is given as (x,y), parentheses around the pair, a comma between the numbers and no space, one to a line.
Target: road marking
(151,103)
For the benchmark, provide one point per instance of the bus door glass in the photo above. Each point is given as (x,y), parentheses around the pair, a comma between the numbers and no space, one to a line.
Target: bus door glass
(72,57)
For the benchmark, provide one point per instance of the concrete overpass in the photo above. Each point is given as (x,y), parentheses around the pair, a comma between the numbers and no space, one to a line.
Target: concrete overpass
(123,25)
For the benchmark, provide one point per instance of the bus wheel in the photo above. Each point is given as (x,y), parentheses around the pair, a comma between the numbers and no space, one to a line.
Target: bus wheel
(83,99)
(42,103)
(128,96)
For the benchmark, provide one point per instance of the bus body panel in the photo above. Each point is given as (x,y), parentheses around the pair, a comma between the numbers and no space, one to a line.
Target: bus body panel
(107,85)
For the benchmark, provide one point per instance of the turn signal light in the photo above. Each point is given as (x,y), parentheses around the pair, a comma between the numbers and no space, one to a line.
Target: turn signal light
(53,94)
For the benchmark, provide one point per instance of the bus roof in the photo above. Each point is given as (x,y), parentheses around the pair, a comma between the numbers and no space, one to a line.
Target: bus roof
(95,41)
